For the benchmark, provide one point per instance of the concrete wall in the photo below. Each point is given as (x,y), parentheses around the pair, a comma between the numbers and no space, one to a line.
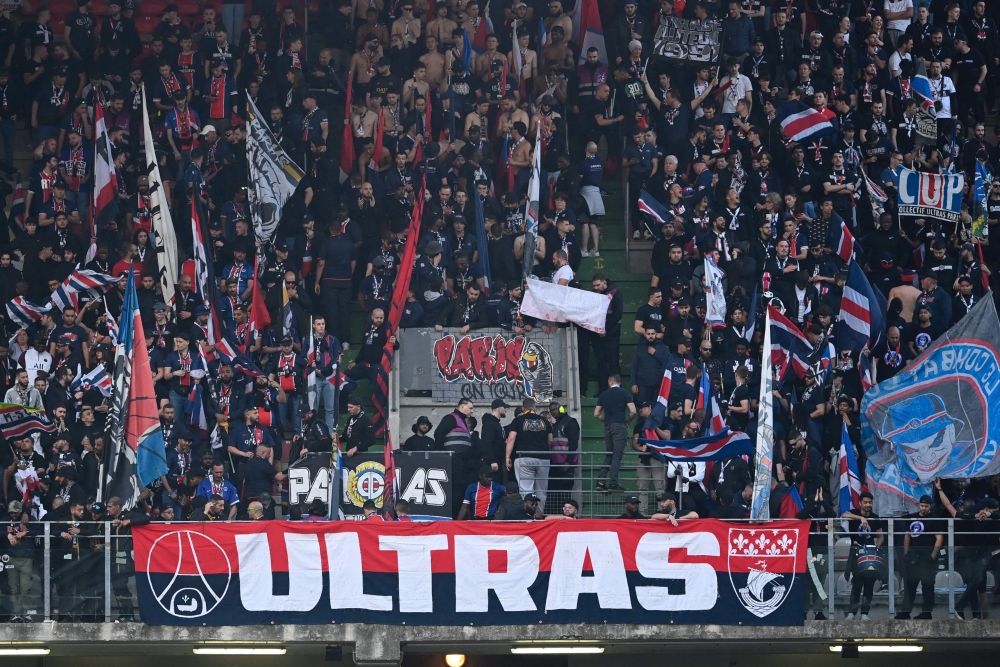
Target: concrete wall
(114,644)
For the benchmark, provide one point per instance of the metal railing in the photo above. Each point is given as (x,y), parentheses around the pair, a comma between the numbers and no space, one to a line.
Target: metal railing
(91,578)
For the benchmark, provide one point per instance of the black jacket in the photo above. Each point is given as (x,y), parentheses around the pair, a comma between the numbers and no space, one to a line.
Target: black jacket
(494,439)
(454,313)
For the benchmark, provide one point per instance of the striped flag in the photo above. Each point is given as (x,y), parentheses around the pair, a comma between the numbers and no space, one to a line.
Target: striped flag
(658,415)
(83,280)
(861,316)
(97,378)
(239,361)
(105,196)
(17,421)
(653,210)
(195,409)
(801,123)
(64,298)
(24,312)
(789,347)
(723,445)
(842,242)
(850,481)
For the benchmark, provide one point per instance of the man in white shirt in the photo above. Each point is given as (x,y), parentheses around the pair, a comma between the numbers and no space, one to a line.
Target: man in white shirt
(563,274)
(904,45)
(37,358)
(942,88)
(733,88)
(898,15)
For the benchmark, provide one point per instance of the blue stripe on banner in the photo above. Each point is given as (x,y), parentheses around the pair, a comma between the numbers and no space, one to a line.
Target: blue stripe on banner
(216,600)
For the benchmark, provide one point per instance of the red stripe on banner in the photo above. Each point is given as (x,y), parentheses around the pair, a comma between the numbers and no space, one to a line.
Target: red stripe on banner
(218,548)
(803,123)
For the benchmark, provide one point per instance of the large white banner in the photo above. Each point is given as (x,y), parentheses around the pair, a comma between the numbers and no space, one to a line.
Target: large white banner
(559,303)
(273,176)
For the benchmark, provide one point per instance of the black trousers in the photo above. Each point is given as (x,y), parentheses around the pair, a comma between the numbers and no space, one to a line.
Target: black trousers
(606,352)
(919,571)
(336,299)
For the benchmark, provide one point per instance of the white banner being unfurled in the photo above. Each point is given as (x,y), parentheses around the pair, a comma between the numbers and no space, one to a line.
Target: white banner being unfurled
(273,176)
(559,303)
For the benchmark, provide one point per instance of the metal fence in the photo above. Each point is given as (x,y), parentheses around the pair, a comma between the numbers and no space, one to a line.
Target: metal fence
(89,577)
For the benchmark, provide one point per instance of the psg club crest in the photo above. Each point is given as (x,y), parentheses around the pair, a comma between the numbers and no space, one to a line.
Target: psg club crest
(761,567)
(201,573)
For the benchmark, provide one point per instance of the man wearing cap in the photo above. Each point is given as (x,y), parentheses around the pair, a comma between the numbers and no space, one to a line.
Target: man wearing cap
(529,439)
(420,441)
(632,509)
(671,510)
(358,434)
(18,552)
(494,437)
(935,299)
(58,203)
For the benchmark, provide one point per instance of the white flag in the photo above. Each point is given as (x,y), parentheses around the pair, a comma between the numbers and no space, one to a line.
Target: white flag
(163,226)
(273,176)
(560,303)
(715,295)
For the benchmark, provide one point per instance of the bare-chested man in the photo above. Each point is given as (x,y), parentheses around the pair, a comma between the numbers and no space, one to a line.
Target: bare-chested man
(529,62)
(415,87)
(363,119)
(363,62)
(544,116)
(441,26)
(484,61)
(360,7)
(478,116)
(509,114)
(557,17)
(556,57)
(434,63)
(407,25)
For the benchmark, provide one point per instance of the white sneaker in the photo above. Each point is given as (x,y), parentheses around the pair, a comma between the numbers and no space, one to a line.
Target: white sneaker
(637,234)
(864,617)
(584,253)
(849,617)
(346,347)
(594,253)
(647,234)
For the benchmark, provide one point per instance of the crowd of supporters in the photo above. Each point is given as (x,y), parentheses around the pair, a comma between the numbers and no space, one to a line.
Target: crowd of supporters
(449,102)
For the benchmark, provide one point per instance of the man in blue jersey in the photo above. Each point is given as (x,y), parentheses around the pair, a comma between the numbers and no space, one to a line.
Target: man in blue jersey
(482,497)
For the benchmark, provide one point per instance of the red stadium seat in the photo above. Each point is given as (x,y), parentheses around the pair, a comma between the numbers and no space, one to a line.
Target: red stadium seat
(62,7)
(152,7)
(58,24)
(188,7)
(100,9)
(145,25)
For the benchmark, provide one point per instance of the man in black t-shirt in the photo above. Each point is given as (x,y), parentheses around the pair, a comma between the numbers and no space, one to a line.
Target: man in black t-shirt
(632,509)
(922,540)
(866,530)
(615,408)
(970,68)
(529,438)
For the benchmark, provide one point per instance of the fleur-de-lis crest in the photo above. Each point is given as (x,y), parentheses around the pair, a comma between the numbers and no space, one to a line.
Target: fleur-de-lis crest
(762,542)
(785,542)
(740,543)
